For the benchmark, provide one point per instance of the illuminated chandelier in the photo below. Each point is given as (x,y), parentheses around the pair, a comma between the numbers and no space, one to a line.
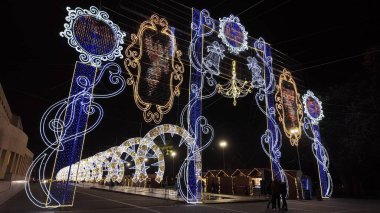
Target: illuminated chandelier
(235,88)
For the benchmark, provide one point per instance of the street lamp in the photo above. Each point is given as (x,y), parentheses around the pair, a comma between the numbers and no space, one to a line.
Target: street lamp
(173,154)
(223,144)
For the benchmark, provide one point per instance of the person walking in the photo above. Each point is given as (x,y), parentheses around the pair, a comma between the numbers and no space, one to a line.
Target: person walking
(283,193)
(213,187)
(111,184)
(275,194)
(269,192)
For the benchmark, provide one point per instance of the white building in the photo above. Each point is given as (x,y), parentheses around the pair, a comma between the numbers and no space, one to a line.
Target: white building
(15,157)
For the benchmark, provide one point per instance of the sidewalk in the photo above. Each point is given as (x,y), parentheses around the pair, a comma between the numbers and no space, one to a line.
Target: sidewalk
(171,194)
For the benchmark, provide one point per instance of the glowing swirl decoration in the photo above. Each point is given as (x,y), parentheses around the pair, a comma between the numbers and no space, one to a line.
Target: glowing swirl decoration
(163,61)
(312,107)
(235,88)
(60,125)
(289,107)
(233,34)
(314,112)
(93,35)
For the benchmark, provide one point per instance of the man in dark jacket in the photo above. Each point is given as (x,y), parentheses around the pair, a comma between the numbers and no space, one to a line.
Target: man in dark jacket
(269,192)
(275,194)
(283,193)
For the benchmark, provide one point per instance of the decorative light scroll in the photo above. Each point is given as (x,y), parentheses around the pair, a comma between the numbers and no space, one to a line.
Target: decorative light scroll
(93,35)
(155,68)
(233,34)
(235,88)
(289,107)
(62,129)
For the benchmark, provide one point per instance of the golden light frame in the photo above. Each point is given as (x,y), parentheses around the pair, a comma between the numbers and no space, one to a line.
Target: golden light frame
(132,63)
(294,131)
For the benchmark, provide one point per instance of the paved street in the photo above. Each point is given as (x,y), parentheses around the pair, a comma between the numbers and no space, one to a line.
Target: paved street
(93,200)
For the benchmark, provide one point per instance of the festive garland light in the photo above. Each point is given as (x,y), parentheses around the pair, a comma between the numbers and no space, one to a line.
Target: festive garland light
(289,107)
(235,88)
(162,62)
(233,34)
(93,35)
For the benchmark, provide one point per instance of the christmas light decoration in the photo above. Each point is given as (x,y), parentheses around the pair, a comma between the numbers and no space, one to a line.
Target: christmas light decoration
(161,63)
(314,112)
(139,149)
(233,34)
(271,140)
(235,88)
(289,107)
(312,107)
(93,35)
(202,75)
(63,127)
(212,60)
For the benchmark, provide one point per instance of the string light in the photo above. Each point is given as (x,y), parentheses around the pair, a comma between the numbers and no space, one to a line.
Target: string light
(160,65)
(289,107)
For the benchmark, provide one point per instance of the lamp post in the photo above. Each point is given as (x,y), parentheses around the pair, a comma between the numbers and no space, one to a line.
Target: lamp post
(173,154)
(223,144)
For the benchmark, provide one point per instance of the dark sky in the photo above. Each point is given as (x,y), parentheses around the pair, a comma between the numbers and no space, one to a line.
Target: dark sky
(322,41)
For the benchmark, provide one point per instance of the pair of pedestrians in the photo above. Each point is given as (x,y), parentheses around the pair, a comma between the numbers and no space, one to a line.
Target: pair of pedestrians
(277,189)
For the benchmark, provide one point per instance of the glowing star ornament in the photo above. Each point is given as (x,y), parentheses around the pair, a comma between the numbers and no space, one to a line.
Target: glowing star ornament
(93,35)
(154,67)
(233,34)
(235,88)
(312,107)
(289,107)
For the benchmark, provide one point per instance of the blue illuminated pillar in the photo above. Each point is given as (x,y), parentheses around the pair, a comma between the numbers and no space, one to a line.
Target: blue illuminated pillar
(195,111)
(277,171)
(324,175)
(61,193)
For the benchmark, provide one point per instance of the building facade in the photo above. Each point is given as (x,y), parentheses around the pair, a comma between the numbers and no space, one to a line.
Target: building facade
(15,157)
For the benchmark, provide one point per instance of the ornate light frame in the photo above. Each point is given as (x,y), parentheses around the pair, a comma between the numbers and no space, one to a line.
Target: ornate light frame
(86,56)
(222,24)
(293,134)
(132,64)
(310,94)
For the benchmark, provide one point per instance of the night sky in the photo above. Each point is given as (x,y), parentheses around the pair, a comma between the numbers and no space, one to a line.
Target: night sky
(324,44)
